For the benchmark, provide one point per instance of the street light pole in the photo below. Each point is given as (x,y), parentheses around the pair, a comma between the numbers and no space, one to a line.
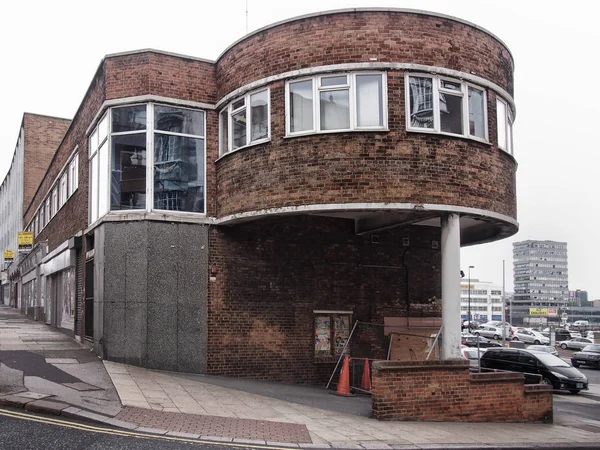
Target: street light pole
(469,298)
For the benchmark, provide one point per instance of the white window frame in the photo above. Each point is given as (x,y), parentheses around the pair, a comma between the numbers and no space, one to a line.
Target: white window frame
(316,99)
(63,193)
(508,126)
(54,200)
(231,112)
(436,81)
(73,175)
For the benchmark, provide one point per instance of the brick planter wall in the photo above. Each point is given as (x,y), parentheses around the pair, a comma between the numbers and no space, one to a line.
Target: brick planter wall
(447,391)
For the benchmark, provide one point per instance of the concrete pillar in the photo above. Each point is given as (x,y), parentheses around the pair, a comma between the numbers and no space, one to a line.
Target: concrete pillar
(451,286)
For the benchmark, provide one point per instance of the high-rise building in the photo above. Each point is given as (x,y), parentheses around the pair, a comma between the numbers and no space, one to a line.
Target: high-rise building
(541,280)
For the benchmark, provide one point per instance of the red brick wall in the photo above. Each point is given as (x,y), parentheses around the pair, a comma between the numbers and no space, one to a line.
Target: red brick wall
(446,391)
(42,136)
(359,36)
(270,276)
(385,167)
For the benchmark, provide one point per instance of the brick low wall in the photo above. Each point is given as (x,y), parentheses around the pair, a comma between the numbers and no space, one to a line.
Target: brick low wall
(447,391)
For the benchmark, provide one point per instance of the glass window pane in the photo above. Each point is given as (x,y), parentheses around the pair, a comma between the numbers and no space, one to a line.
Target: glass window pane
(450,85)
(128,175)
(510,139)
(301,106)
(94,193)
(176,120)
(238,122)
(224,131)
(451,114)
(369,100)
(476,116)
(103,128)
(129,118)
(421,102)
(238,103)
(93,142)
(501,123)
(179,183)
(334,81)
(335,110)
(259,116)
(102,180)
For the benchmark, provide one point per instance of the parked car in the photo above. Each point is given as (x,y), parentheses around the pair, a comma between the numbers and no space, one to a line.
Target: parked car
(562,334)
(544,348)
(471,341)
(589,356)
(575,343)
(492,332)
(530,337)
(535,364)
(472,355)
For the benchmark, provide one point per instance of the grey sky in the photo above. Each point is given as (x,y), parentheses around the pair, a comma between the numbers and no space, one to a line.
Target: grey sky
(51,50)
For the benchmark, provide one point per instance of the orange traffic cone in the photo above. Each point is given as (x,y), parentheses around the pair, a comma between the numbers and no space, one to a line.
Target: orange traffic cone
(365,383)
(343,387)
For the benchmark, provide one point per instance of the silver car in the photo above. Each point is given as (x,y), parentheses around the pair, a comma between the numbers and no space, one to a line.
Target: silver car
(492,332)
(575,343)
(530,337)
(544,348)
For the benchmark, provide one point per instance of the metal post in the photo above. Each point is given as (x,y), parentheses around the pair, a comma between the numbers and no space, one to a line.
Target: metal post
(503,309)
(469,299)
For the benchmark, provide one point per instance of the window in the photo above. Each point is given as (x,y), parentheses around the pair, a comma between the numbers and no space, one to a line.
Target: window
(443,105)
(73,175)
(340,102)
(504,121)
(245,121)
(48,214)
(63,193)
(332,331)
(54,201)
(148,150)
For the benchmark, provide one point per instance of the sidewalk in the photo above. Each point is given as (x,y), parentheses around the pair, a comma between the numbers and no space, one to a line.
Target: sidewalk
(75,383)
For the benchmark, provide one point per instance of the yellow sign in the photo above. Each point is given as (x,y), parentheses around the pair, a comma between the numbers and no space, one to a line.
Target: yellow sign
(538,311)
(9,254)
(25,238)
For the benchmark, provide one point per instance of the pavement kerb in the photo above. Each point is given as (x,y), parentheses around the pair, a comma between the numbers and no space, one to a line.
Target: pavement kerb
(70,411)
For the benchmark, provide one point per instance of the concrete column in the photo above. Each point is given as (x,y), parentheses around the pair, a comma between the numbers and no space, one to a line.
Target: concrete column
(451,286)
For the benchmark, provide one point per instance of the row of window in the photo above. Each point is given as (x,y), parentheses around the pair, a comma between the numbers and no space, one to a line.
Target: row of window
(65,186)
(357,101)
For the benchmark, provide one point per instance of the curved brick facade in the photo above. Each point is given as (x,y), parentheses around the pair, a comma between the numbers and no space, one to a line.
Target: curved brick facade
(385,167)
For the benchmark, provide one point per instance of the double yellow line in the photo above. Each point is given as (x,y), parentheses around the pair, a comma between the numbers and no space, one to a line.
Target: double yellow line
(94,429)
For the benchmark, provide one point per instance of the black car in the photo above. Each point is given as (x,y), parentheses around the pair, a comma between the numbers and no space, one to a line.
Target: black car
(561,334)
(535,364)
(588,356)
(471,341)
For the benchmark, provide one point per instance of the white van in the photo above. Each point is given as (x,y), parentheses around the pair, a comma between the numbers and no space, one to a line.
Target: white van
(581,323)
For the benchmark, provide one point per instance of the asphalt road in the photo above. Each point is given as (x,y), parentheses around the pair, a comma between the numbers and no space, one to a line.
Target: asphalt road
(24,430)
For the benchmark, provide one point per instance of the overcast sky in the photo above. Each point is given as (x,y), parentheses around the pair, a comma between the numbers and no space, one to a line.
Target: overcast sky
(51,50)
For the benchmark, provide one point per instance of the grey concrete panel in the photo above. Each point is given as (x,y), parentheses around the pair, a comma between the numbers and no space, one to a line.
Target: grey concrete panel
(191,356)
(163,250)
(136,271)
(114,329)
(193,263)
(136,333)
(99,263)
(162,336)
(115,257)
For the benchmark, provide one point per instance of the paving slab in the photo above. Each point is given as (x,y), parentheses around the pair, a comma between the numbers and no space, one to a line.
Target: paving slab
(33,395)
(14,400)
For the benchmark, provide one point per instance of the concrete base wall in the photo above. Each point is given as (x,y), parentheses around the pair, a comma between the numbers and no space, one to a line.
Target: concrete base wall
(447,391)
(151,285)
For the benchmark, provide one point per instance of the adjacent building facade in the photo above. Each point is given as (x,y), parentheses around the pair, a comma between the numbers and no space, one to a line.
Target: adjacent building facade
(541,280)
(239,216)
(482,298)
(38,139)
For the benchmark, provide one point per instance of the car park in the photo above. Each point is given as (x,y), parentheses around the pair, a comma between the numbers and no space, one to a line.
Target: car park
(535,365)
(492,332)
(575,343)
(474,341)
(544,348)
(589,356)
(529,336)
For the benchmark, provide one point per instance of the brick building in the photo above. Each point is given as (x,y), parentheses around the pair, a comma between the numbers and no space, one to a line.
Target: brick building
(238,216)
